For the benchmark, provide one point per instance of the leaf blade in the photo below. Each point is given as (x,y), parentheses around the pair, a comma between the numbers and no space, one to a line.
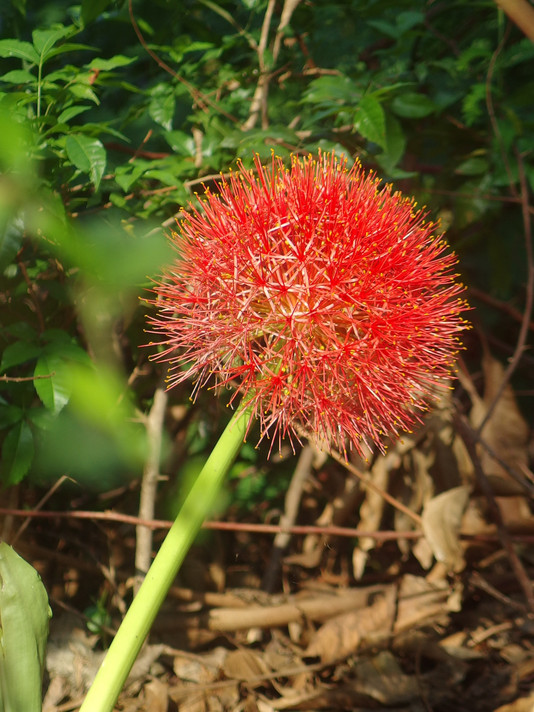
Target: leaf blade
(88,155)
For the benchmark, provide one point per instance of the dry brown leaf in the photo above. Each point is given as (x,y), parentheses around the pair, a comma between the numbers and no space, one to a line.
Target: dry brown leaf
(279,653)
(156,696)
(522,704)
(264,706)
(58,690)
(70,656)
(342,696)
(201,669)
(188,699)
(147,657)
(131,704)
(244,665)
(381,678)
(342,635)
(423,552)
(420,601)
(441,520)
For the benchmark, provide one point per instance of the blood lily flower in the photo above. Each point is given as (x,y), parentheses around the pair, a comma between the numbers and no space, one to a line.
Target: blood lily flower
(325,300)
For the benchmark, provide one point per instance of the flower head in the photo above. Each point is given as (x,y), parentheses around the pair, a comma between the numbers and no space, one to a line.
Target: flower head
(323,298)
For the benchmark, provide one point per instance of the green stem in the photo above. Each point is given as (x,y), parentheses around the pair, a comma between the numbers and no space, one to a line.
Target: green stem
(137,622)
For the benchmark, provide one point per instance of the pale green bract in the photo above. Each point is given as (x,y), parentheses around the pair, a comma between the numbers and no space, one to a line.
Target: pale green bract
(24,616)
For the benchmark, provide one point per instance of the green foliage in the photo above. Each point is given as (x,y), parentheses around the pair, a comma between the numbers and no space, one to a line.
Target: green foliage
(24,615)
(103,137)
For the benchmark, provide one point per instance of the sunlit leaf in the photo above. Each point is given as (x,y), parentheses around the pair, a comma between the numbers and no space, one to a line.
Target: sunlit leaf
(370,120)
(88,155)
(161,107)
(44,40)
(22,50)
(52,382)
(17,76)
(107,65)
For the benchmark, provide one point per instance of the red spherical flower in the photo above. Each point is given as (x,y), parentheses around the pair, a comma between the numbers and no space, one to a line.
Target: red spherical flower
(323,298)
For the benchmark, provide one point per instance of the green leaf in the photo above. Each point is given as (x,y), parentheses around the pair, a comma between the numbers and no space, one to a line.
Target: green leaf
(91,9)
(16,48)
(10,241)
(161,106)
(44,40)
(71,112)
(17,453)
(181,142)
(54,369)
(52,381)
(19,352)
(107,65)
(165,177)
(81,90)
(68,47)
(408,19)
(19,330)
(412,105)
(370,120)
(9,415)
(24,616)
(404,22)
(473,166)
(127,175)
(18,76)
(386,28)
(16,143)
(395,146)
(332,88)
(395,140)
(88,155)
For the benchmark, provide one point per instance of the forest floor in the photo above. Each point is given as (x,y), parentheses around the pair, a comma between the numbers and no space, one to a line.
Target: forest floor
(402,583)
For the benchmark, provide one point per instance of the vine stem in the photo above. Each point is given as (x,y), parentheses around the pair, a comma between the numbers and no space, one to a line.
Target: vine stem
(137,622)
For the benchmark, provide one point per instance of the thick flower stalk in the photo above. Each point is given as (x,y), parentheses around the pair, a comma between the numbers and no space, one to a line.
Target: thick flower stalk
(325,299)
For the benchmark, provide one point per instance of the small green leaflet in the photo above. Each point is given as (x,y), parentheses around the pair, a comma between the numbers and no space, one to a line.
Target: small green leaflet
(88,155)
(22,50)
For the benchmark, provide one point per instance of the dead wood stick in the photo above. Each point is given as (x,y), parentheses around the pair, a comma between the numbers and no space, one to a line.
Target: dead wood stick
(413,608)
(149,484)
(319,608)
